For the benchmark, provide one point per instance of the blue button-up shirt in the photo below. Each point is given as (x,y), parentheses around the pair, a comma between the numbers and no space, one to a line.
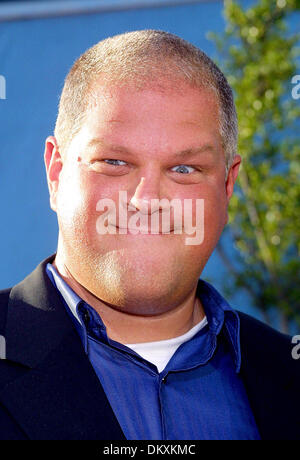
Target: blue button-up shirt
(199,394)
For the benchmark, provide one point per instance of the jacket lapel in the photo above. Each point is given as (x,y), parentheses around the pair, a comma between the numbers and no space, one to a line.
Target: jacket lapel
(56,393)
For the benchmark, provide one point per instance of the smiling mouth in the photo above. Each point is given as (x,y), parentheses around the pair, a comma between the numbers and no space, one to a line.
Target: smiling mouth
(140,231)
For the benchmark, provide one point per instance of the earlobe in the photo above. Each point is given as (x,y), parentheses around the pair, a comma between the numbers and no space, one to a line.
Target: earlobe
(53,164)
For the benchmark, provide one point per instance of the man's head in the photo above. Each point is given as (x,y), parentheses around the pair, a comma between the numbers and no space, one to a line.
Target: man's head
(148,114)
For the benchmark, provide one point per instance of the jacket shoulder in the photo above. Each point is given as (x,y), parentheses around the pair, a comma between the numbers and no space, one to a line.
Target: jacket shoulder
(261,332)
(255,325)
(266,347)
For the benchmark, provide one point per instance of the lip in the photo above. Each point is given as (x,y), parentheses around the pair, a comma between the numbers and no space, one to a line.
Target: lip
(142,231)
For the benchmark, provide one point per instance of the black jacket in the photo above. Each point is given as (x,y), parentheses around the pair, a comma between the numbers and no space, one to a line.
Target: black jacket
(49,390)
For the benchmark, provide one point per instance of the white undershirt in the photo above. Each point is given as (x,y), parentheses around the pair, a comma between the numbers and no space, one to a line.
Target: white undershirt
(160,352)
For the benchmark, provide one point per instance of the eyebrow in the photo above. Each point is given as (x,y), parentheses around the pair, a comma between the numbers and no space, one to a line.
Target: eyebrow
(187,153)
(101,143)
(195,151)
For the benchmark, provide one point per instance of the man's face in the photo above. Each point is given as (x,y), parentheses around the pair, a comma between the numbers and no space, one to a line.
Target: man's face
(151,144)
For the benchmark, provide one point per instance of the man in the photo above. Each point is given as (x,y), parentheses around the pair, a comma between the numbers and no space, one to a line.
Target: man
(115,336)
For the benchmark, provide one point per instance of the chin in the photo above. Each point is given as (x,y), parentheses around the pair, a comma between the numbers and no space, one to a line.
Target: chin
(144,299)
(129,279)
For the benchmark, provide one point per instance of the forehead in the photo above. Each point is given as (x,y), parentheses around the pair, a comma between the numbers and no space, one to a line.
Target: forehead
(159,115)
(157,94)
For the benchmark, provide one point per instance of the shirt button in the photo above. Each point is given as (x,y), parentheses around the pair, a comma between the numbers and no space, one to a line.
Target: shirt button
(164,379)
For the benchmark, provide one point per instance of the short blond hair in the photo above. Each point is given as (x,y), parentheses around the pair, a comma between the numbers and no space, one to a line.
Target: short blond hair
(143,57)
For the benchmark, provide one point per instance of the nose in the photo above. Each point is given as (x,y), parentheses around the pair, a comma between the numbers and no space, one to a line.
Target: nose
(146,194)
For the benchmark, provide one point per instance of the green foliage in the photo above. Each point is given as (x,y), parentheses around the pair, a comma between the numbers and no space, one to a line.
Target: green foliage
(259,56)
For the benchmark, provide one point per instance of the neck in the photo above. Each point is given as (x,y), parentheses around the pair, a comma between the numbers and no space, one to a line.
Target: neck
(131,328)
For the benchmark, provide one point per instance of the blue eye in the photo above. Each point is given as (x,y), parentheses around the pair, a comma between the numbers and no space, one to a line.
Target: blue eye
(183,169)
(115,162)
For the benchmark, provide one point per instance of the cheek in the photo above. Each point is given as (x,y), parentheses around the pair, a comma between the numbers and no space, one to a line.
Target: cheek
(215,211)
(77,199)
(213,193)
(197,255)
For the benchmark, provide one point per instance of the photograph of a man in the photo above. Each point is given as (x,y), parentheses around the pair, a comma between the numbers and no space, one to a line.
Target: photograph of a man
(115,336)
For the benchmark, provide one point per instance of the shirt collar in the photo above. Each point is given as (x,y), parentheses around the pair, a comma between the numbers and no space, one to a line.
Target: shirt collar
(218,312)
(73,303)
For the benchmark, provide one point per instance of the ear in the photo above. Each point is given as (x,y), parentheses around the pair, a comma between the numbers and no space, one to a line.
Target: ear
(54,164)
(232,175)
(231,178)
